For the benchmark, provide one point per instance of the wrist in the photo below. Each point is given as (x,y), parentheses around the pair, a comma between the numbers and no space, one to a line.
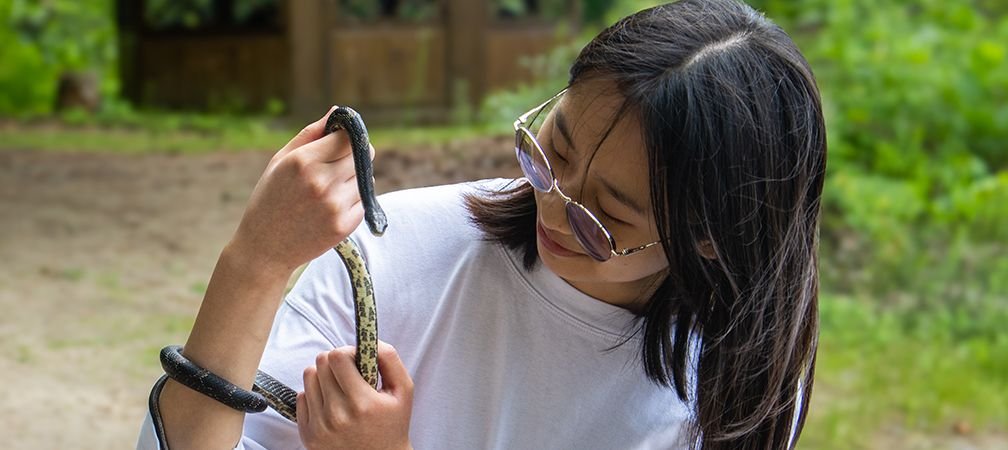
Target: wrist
(247,263)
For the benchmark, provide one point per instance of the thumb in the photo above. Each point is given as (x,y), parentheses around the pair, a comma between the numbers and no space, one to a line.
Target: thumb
(395,378)
(309,133)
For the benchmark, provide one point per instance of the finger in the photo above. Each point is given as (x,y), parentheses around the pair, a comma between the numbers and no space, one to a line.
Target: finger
(331,392)
(303,410)
(343,190)
(345,370)
(320,177)
(304,416)
(344,165)
(307,134)
(342,200)
(330,148)
(349,220)
(395,378)
(312,389)
(345,152)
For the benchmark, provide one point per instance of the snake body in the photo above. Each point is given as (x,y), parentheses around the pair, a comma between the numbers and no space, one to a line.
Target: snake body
(266,389)
(365,314)
(282,398)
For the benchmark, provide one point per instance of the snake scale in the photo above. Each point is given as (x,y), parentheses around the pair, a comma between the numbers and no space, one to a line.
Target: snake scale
(266,390)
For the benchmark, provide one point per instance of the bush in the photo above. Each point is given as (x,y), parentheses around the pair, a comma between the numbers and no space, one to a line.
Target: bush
(917,108)
(41,40)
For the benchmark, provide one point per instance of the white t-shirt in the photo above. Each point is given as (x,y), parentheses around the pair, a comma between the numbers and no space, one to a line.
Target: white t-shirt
(500,358)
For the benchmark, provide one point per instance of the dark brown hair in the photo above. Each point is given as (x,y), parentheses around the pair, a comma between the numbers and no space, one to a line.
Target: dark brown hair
(733,127)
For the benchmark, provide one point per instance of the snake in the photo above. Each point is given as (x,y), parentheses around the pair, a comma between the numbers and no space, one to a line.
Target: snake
(266,390)
(281,398)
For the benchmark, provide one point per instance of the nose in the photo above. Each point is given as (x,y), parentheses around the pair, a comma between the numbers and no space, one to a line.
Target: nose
(554,208)
(552,212)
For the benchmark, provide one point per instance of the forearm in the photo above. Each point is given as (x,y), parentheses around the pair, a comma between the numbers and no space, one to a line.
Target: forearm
(228,339)
(306,202)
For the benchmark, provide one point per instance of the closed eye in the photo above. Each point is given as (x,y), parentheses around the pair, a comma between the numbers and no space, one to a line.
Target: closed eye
(555,143)
(614,218)
(559,156)
(553,149)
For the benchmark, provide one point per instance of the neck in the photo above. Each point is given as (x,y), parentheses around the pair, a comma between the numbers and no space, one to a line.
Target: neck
(630,295)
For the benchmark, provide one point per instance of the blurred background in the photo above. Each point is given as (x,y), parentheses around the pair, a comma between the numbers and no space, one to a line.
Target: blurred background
(132,132)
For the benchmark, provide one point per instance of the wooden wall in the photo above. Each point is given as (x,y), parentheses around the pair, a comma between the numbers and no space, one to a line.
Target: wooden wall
(389,70)
(221,72)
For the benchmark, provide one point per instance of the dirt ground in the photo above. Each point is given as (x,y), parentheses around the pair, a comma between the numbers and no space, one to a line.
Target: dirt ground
(105,259)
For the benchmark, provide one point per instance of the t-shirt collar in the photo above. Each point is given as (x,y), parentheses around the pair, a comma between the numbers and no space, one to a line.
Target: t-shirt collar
(588,309)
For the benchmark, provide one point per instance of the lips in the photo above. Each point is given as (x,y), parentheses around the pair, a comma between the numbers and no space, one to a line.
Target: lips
(551,245)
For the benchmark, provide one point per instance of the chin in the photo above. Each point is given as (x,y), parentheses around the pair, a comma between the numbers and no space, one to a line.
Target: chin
(568,268)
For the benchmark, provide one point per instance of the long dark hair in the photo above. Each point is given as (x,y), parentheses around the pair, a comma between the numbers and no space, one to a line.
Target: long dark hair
(732,121)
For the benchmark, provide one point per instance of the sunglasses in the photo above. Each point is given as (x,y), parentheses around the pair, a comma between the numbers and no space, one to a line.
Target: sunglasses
(589,232)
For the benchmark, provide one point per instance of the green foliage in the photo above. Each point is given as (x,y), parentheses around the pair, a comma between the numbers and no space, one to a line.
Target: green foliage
(26,81)
(917,108)
(39,40)
(922,369)
(195,14)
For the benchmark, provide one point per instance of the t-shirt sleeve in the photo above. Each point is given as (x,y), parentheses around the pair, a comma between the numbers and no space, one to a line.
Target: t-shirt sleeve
(311,320)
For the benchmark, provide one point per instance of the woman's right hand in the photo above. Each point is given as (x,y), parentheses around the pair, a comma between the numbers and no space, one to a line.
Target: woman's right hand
(305,202)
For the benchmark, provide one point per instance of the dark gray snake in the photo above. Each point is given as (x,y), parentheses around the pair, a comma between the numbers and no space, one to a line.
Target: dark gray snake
(267,390)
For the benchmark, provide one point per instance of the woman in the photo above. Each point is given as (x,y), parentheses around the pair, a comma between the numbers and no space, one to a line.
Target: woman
(650,283)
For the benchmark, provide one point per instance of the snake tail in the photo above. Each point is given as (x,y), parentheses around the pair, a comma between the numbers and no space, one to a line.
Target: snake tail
(364,311)
(344,117)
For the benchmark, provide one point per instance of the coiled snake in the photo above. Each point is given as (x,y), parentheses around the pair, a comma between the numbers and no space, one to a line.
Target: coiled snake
(268,391)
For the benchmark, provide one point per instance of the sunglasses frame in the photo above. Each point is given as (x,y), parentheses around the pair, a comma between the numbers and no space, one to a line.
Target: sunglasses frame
(520,128)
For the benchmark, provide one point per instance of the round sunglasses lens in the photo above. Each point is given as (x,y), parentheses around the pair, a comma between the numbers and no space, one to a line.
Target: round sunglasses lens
(531,161)
(588,233)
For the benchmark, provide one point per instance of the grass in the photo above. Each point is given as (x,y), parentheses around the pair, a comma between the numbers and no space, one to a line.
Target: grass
(922,370)
(161,132)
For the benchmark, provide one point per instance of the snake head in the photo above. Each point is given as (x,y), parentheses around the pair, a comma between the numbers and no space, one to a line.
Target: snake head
(376,220)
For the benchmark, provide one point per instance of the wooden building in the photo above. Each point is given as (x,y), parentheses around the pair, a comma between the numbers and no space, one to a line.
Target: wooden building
(391,59)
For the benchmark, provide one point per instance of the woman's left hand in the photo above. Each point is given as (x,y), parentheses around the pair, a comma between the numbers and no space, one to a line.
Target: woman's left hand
(338,409)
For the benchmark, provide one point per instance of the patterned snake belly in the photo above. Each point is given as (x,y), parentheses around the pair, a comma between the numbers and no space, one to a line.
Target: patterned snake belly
(282,398)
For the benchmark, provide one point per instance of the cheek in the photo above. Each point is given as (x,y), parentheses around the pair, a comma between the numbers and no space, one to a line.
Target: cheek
(639,265)
(657,260)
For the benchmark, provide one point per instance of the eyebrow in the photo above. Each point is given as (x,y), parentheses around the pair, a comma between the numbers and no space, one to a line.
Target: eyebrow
(622,197)
(561,125)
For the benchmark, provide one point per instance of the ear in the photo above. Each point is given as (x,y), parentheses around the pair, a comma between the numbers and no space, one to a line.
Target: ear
(706,249)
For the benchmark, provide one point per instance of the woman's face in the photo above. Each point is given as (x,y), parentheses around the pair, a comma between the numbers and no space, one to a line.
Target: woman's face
(569,136)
